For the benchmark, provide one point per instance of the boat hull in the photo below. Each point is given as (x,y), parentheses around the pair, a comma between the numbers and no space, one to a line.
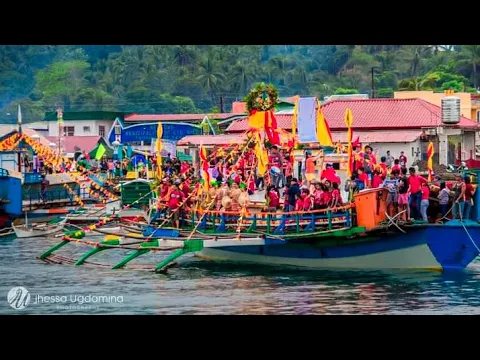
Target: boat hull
(426,247)
(23,232)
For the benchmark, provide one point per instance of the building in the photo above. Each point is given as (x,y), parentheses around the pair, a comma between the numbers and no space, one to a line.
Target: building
(396,125)
(469,103)
(82,123)
(74,145)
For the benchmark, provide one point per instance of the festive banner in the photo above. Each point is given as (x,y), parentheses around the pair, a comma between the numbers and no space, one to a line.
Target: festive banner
(306,123)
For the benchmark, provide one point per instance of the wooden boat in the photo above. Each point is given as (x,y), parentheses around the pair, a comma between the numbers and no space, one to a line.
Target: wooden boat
(39,229)
(366,239)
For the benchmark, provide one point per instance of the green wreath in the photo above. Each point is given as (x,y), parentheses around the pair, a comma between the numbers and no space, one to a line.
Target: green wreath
(262,98)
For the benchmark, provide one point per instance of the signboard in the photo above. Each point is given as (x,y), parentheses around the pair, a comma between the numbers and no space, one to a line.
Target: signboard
(135,134)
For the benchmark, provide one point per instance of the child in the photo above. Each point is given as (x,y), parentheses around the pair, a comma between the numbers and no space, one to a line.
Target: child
(351,187)
(326,196)
(317,196)
(299,202)
(362,179)
(392,186)
(396,166)
(273,198)
(307,200)
(424,202)
(377,179)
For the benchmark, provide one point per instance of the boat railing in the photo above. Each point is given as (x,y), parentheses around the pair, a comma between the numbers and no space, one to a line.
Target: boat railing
(269,222)
(32,178)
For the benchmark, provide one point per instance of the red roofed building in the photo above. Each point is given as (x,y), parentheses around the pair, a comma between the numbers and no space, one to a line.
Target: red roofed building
(395,125)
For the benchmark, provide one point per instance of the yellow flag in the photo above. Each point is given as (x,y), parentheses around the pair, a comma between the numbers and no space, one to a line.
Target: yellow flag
(257,120)
(324,136)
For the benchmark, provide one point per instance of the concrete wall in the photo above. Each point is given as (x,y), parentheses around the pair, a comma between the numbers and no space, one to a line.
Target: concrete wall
(80,127)
(380,150)
(436,99)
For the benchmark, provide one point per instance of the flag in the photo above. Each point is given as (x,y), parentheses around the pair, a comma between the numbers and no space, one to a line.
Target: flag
(256,120)
(430,153)
(324,135)
(19,115)
(349,122)
(204,163)
(294,119)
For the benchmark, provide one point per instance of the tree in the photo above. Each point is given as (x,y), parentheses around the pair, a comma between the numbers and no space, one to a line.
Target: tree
(470,54)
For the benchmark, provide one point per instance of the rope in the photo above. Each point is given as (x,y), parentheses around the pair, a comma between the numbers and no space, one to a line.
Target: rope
(468,234)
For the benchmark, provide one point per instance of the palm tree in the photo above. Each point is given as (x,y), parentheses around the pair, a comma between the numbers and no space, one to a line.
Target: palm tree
(243,75)
(413,56)
(470,54)
(209,76)
(426,82)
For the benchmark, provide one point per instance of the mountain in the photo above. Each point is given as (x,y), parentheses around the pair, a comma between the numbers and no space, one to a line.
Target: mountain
(199,78)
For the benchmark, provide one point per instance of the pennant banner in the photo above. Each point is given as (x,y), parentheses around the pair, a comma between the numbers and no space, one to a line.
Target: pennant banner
(430,153)
(306,120)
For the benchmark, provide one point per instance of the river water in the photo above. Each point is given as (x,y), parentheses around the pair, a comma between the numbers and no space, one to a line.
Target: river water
(199,287)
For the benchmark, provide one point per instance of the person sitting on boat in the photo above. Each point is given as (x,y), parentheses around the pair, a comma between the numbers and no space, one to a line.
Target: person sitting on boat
(336,196)
(425,202)
(317,196)
(469,193)
(326,195)
(235,194)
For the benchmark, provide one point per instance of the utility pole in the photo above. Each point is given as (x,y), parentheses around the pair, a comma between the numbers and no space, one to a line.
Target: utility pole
(221,104)
(373,84)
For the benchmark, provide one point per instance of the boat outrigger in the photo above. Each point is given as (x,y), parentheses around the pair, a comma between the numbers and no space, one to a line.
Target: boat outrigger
(358,235)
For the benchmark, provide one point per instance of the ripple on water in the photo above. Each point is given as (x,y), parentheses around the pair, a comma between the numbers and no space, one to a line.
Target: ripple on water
(198,287)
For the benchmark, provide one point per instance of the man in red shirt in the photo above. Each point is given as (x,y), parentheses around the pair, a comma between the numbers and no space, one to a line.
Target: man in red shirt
(415,189)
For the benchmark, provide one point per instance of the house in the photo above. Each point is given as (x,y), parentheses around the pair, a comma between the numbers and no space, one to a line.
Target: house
(82,123)
(72,145)
(393,124)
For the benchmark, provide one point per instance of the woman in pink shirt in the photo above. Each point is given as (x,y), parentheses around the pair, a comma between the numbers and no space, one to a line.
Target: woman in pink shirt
(424,203)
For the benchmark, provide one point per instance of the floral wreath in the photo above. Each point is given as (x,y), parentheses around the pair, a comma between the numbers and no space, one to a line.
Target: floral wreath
(262,98)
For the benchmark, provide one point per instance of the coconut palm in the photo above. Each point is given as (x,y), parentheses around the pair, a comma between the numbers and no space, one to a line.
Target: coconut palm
(470,54)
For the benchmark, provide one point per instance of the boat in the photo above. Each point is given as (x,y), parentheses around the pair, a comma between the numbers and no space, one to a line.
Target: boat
(357,236)
(39,229)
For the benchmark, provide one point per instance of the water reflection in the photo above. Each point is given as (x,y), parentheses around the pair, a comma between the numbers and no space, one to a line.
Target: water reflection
(198,287)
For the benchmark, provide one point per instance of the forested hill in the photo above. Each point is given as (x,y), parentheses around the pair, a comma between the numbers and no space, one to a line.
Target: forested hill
(192,78)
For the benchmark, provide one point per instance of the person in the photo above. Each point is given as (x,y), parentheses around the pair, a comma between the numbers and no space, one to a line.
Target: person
(402,160)
(310,166)
(292,192)
(389,159)
(415,190)
(330,174)
(275,162)
(377,179)
(469,192)
(336,196)
(317,196)
(43,188)
(273,198)
(403,199)
(392,187)
(383,167)
(425,202)
(459,199)
(174,200)
(351,187)
(443,197)
(362,179)
(326,195)
(140,168)
(396,166)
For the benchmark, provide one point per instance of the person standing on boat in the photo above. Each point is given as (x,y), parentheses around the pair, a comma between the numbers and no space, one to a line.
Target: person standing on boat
(425,202)
(362,179)
(415,191)
(403,199)
(469,192)
(174,200)
(43,188)
(459,198)
(275,162)
(444,197)
(396,166)
(392,186)
(292,193)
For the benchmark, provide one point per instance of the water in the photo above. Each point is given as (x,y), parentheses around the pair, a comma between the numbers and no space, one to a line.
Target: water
(198,287)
